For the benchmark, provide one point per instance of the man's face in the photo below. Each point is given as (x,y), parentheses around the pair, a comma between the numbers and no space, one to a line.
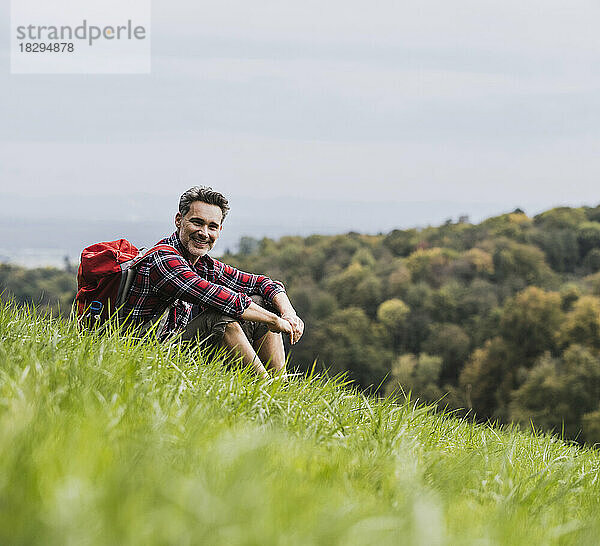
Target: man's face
(199,229)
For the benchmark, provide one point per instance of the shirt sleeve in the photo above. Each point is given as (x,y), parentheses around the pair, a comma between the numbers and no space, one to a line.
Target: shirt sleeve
(246,283)
(172,277)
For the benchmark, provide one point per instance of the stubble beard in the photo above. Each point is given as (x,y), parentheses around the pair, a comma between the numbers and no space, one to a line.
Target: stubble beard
(198,251)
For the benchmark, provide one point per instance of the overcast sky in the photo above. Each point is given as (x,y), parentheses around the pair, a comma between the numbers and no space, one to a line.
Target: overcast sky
(464,101)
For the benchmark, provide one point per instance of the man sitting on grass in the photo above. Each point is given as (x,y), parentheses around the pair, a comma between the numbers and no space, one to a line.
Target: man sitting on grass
(241,311)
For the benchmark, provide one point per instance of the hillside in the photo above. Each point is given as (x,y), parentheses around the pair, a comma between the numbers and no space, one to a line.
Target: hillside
(501,318)
(108,441)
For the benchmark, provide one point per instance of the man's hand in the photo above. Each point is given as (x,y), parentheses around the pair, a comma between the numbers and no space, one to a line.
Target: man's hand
(287,312)
(296,324)
(280,325)
(285,326)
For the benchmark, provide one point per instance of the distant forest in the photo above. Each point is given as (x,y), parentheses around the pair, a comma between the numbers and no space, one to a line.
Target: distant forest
(500,319)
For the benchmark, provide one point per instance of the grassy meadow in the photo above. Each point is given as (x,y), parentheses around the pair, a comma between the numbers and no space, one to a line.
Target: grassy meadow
(105,440)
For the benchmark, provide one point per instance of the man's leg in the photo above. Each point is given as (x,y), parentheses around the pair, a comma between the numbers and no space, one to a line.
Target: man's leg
(235,339)
(270,350)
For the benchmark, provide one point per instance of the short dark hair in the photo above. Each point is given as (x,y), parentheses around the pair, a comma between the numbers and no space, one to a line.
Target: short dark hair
(206,195)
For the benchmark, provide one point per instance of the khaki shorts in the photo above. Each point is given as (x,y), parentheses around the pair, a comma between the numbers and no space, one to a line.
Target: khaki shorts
(209,326)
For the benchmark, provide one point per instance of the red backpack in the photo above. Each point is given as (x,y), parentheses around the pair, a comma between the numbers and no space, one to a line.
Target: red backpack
(105,276)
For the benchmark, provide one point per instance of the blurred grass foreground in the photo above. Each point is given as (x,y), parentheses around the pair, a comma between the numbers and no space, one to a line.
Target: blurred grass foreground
(105,440)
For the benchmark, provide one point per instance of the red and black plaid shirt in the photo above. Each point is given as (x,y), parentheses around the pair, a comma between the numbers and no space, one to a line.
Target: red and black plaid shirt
(166,278)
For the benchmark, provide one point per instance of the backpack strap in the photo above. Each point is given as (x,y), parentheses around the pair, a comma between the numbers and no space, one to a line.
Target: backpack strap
(143,254)
(130,270)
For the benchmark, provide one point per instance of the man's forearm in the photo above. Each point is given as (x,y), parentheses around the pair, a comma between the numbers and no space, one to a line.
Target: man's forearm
(288,322)
(256,313)
(286,310)
(282,303)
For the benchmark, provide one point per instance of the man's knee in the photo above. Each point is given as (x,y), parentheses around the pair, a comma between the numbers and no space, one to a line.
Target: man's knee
(233,329)
(268,335)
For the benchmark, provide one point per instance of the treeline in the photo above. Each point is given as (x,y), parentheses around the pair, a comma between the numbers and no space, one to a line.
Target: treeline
(46,288)
(501,318)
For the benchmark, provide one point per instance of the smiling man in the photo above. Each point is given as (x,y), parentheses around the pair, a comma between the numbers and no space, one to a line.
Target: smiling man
(244,312)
